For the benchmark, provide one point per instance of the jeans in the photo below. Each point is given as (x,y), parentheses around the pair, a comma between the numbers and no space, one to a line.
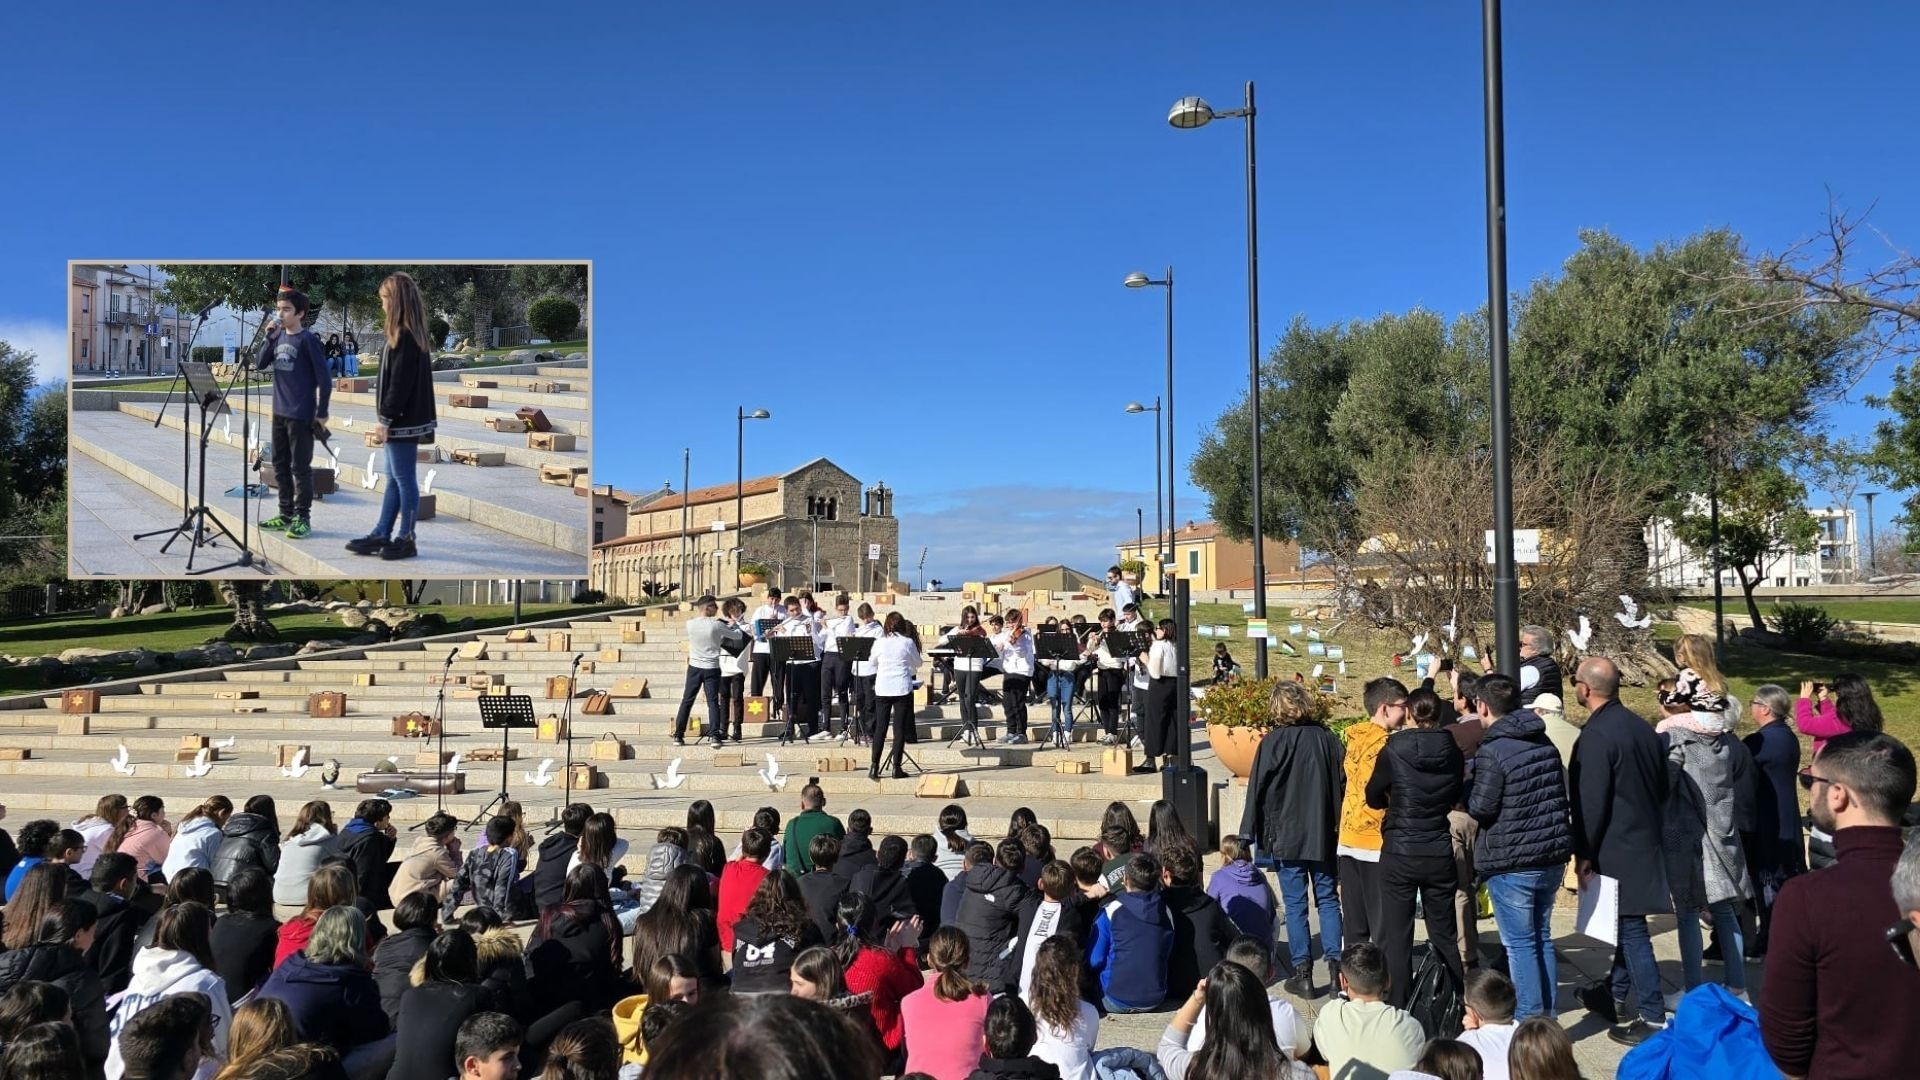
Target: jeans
(1726,924)
(1119,1007)
(1635,969)
(700,679)
(400,503)
(1294,878)
(1060,700)
(293,466)
(1461,832)
(1523,913)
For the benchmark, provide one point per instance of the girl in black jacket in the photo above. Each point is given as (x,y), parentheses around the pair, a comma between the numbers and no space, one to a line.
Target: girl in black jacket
(574,952)
(1418,778)
(446,991)
(55,957)
(407,417)
(244,939)
(249,838)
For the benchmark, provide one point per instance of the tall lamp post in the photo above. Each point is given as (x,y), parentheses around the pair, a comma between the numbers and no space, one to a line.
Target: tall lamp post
(686,507)
(1138,280)
(1873,555)
(1193,112)
(1506,582)
(1137,408)
(1139,531)
(741,416)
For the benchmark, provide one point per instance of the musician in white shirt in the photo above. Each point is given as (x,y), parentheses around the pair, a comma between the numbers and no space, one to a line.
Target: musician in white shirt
(896,657)
(966,668)
(866,626)
(1015,645)
(733,681)
(1137,680)
(1110,673)
(762,652)
(836,679)
(1160,664)
(803,676)
(1061,675)
(1119,591)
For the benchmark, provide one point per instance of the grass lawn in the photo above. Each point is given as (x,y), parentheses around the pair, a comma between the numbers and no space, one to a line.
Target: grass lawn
(1905,610)
(172,631)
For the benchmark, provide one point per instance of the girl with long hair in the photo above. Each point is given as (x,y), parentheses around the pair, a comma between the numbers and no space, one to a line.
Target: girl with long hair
(1541,1050)
(1844,705)
(895,658)
(245,938)
(574,951)
(261,1027)
(329,887)
(28,1003)
(954,838)
(945,1021)
(404,392)
(331,992)
(1067,1024)
(680,922)
(446,991)
(1240,1037)
(103,830)
(879,962)
(49,1051)
(40,892)
(192,884)
(584,1050)
(1160,663)
(198,836)
(699,815)
(149,835)
(520,841)
(250,838)
(179,962)
(309,841)
(775,928)
(57,955)
(1699,687)
(1165,829)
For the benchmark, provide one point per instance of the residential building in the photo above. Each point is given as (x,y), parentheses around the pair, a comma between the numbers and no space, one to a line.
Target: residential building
(1834,559)
(1210,561)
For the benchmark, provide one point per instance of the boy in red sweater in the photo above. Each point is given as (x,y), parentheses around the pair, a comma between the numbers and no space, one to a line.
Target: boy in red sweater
(739,879)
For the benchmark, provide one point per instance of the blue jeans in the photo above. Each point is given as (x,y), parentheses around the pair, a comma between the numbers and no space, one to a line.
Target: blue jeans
(1523,910)
(1121,1007)
(1726,923)
(1634,969)
(401,500)
(1294,878)
(1060,698)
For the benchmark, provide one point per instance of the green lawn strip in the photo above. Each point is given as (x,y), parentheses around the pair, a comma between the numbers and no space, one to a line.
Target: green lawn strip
(1895,611)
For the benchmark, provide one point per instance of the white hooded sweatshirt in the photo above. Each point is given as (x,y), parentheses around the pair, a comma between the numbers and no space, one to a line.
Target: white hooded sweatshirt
(158,973)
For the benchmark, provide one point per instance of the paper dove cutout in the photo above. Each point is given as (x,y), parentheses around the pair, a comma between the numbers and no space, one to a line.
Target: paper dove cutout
(674,777)
(1450,629)
(427,487)
(771,774)
(1343,667)
(453,763)
(348,422)
(1580,637)
(228,429)
(544,776)
(226,743)
(1318,670)
(119,762)
(201,766)
(299,767)
(372,479)
(1641,623)
(1419,640)
(1627,605)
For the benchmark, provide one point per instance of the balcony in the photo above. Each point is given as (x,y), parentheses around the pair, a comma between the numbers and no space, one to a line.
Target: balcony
(124,318)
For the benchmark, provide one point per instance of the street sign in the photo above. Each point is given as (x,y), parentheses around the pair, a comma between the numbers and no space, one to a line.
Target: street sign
(873,552)
(1526,546)
(153,328)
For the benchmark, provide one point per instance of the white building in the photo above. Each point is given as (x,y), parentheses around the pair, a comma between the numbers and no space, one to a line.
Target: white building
(118,324)
(1833,560)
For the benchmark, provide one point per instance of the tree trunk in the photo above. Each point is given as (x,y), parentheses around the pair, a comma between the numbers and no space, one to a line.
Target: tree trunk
(249,624)
(1746,590)
(482,323)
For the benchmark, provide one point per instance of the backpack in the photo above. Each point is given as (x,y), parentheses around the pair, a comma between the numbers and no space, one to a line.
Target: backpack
(1435,997)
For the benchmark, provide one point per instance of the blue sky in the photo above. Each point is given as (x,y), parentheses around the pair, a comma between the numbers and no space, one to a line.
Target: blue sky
(902,228)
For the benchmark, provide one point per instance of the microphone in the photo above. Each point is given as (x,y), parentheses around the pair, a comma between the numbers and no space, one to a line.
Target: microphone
(451,653)
(577,657)
(208,310)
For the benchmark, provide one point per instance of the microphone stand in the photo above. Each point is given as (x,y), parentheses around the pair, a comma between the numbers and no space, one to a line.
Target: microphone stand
(566,722)
(440,732)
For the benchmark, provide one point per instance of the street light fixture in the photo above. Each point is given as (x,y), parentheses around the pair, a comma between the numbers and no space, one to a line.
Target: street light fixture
(1136,408)
(1138,280)
(741,416)
(1193,112)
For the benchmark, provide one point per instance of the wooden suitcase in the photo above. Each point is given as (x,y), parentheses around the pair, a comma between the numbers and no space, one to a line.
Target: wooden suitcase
(559,687)
(629,686)
(552,728)
(80,701)
(610,747)
(415,725)
(507,424)
(328,704)
(598,703)
(559,641)
(585,776)
(535,418)
(480,384)
(549,440)
(351,386)
(467,401)
(486,459)
(286,752)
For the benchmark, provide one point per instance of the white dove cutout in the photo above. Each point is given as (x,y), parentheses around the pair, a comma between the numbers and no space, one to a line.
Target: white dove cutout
(228,429)
(201,766)
(1581,636)
(1319,669)
(1641,623)
(453,763)
(372,479)
(226,743)
(299,767)
(771,774)
(544,776)
(347,423)
(427,487)
(1627,605)
(1419,640)
(1452,628)
(119,762)
(1343,667)
(393,759)
(674,777)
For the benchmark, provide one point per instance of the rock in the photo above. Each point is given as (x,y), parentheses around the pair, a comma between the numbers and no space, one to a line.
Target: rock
(212,654)
(272,652)
(520,355)
(583,356)
(466,623)
(336,605)
(102,657)
(363,639)
(353,618)
(102,611)
(156,609)
(394,616)
(545,358)
(147,664)
(117,613)
(319,645)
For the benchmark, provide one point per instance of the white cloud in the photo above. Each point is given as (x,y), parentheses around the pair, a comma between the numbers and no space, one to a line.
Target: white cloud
(47,341)
(974,532)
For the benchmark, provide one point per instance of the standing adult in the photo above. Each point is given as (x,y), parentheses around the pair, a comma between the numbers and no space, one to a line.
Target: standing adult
(1777,850)
(1519,802)
(404,393)
(703,671)
(895,658)
(1539,671)
(1120,593)
(1618,788)
(1293,808)
(1417,780)
(1385,700)
(1837,1001)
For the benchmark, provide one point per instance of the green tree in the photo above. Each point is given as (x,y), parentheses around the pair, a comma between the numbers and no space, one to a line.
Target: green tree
(1763,515)
(553,317)
(33,471)
(1896,447)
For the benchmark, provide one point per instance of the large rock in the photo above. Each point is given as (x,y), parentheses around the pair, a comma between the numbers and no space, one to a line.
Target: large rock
(520,355)
(576,356)
(147,664)
(102,657)
(156,609)
(320,645)
(272,652)
(212,654)
(394,616)
(353,618)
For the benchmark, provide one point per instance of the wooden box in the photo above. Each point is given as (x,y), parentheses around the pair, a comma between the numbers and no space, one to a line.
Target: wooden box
(1116,761)
(352,386)
(473,650)
(481,680)
(373,439)
(433,759)
(586,667)
(559,687)
(328,704)
(415,725)
(486,459)
(472,383)
(937,786)
(1072,767)
(561,475)
(191,743)
(536,419)
(729,760)
(629,686)
(507,424)
(467,401)
(585,776)
(428,507)
(610,747)
(609,656)
(549,440)
(757,710)
(237,695)
(559,641)
(520,635)
(76,725)
(80,701)
(286,752)
(833,764)
(633,637)
(15,753)
(546,387)
(493,754)
(325,482)
(184,754)
(365,678)
(551,728)
(598,703)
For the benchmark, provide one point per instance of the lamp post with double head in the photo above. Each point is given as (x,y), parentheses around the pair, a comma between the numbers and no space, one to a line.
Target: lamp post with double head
(1138,280)
(741,416)
(1159,559)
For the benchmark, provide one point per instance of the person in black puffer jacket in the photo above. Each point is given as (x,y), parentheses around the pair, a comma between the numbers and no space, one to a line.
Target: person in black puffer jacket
(883,882)
(990,916)
(367,842)
(1519,798)
(856,848)
(245,938)
(1417,780)
(249,838)
(415,924)
(52,958)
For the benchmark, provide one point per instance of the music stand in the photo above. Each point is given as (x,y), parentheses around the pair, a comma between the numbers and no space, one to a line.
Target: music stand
(198,525)
(790,650)
(506,712)
(970,647)
(1129,644)
(856,650)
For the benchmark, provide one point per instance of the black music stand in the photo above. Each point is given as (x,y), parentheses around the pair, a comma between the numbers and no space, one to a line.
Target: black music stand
(506,712)
(1129,644)
(790,650)
(970,647)
(198,525)
(856,650)
(1057,646)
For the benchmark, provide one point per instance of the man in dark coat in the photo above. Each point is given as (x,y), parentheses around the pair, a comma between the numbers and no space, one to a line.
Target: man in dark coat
(1618,788)
(550,873)
(1776,850)
(116,934)
(1539,671)
(1519,801)
(1292,812)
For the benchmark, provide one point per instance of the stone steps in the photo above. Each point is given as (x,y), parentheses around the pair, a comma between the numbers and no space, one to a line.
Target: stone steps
(571,418)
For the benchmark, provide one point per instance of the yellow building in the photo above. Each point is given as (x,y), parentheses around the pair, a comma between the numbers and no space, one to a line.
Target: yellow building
(1055,579)
(1210,561)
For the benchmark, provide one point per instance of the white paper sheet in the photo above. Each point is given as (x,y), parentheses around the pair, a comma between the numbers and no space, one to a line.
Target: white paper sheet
(1599,916)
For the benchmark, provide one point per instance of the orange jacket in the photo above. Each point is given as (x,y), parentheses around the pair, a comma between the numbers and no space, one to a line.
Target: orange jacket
(1360,823)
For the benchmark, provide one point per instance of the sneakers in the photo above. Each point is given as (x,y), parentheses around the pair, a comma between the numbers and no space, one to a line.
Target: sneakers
(277,523)
(1145,768)
(1107,739)
(399,549)
(298,529)
(820,736)
(367,545)
(1635,1033)
(1016,740)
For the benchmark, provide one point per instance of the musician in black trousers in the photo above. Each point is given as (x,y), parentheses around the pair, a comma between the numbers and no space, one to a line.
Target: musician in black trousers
(895,657)
(762,652)
(1110,675)
(836,676)
(802,676)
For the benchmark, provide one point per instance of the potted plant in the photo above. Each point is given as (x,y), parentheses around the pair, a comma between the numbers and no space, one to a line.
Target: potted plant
(752,573)
(1238,714)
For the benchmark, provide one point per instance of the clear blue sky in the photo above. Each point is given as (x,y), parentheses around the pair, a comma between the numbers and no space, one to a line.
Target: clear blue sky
(902,228)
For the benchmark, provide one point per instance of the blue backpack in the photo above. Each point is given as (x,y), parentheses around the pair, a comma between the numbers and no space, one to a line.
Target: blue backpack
(1711,1035)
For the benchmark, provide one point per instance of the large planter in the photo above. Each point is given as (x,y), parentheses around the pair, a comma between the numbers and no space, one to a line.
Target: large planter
(748,580)
(1235,747)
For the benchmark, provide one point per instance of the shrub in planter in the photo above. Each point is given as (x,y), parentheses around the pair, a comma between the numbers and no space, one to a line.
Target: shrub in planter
(590,596)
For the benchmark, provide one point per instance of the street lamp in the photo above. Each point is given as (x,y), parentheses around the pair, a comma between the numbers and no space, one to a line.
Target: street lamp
(1138,280)
(1137,408)
(1506,581)
(741,416)
(1193,112)
(1873,557)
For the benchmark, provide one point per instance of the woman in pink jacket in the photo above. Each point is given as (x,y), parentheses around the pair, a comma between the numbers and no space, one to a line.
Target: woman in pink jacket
(1845,705)
(149,835)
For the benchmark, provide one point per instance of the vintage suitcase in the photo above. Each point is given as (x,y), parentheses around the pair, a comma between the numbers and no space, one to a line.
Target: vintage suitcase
(352,386)
(551,728)
(286,752)
(329,704)
(1116,761)
(629,686)
(80,701)
(559,641)
(585,776)
(467,401)
(415,725)
(485,459)
(610,747)
(597,703)
(536,419)
(549,440)
(507,424)
(559,687)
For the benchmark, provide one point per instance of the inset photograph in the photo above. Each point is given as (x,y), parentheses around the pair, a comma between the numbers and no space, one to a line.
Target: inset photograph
(330,420)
